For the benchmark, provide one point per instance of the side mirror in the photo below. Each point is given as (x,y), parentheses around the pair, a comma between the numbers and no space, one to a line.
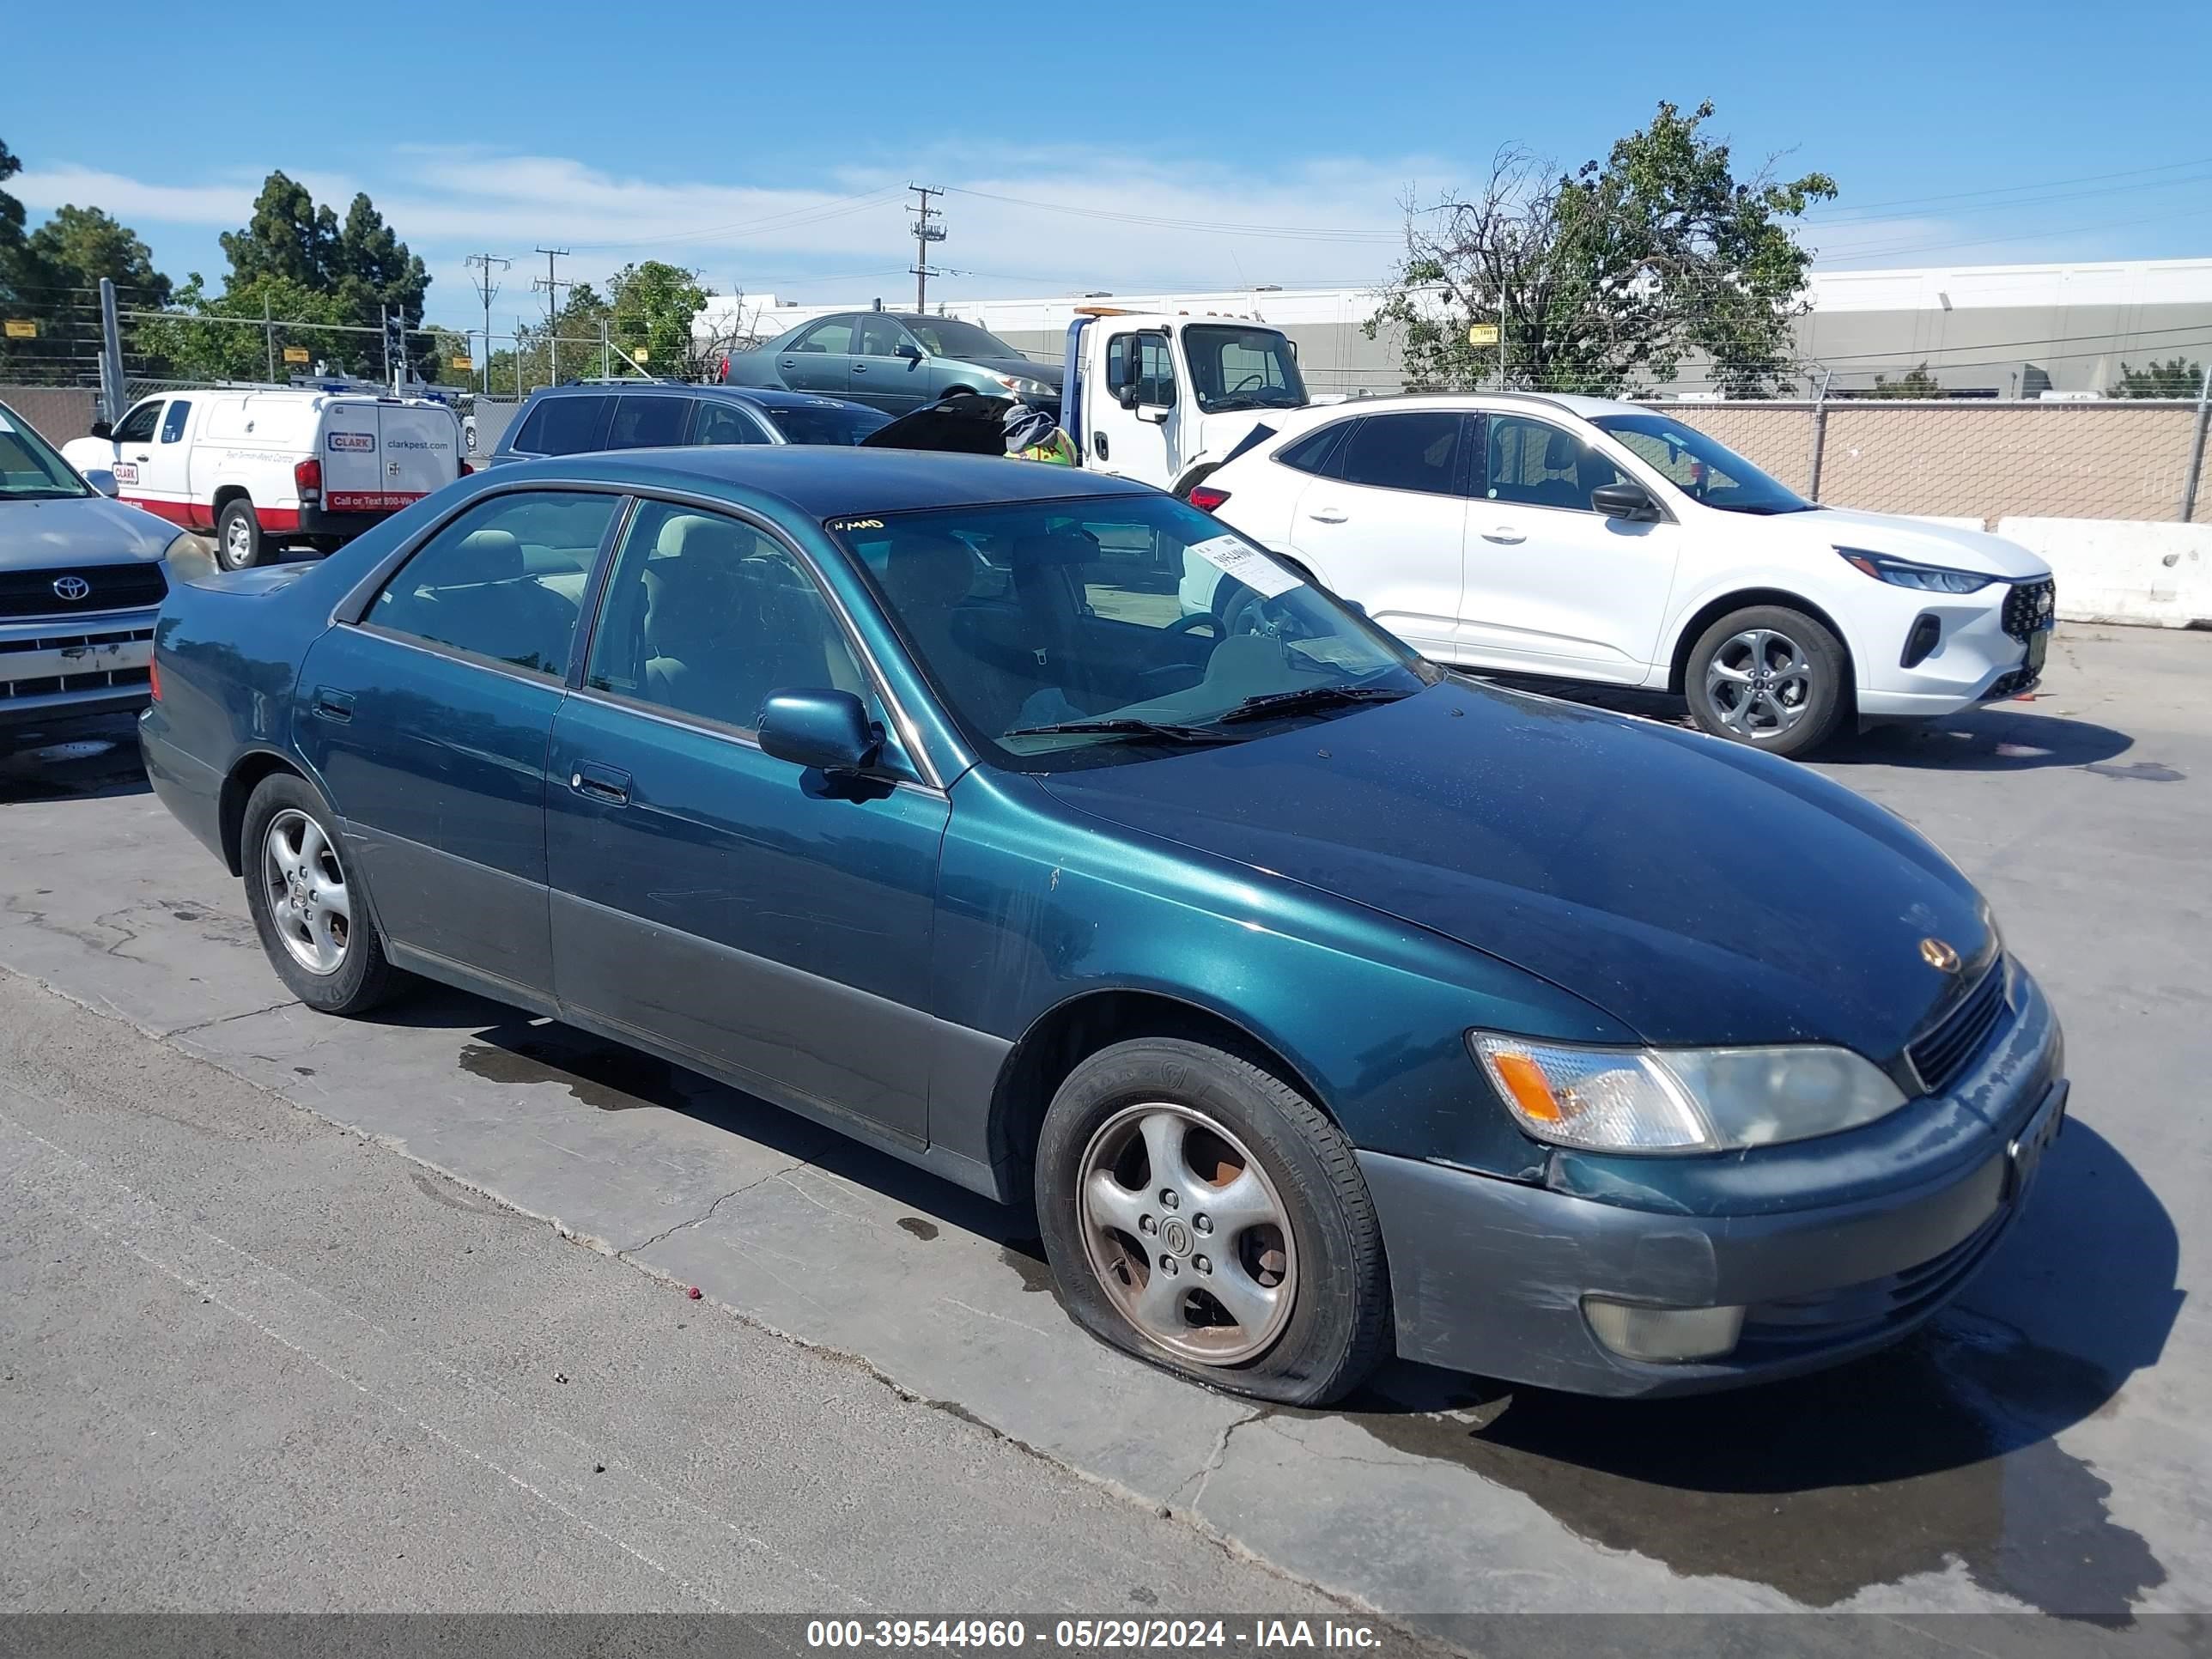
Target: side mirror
(827,730)
(1152,414)
(102,479)
(103,430)
(908,349)
(1126,394)
(1629,501)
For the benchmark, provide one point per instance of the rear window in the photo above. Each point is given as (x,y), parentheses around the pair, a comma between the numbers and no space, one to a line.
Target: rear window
(562,426)
(648,423)
(1404,452)
(807,423)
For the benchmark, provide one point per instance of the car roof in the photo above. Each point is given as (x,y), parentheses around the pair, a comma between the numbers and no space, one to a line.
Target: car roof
(1565,402)
(764,397)
(818,482)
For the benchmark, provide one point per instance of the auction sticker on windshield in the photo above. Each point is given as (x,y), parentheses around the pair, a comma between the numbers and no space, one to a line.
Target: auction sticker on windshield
(1247,564)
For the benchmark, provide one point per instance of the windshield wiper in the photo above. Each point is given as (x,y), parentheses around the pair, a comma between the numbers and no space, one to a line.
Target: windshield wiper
(1165,731)
(1307,698)
(42,493)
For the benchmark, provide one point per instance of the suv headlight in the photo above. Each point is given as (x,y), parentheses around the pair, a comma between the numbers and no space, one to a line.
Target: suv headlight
(1682,1100)
(1903,573)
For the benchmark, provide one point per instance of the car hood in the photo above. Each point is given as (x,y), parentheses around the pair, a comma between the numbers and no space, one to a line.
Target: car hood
(1918,539)
(1699,892)
(85,530)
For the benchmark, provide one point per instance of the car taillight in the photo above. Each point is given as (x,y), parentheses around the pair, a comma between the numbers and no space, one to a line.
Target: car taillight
(1206,498)
(153,679)
(308,479)
(467,467)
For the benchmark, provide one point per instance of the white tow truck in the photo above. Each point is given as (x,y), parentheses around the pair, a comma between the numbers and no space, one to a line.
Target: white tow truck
(1164,397)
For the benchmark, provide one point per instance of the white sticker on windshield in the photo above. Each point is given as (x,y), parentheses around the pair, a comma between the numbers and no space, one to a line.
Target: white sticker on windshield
(1247,564)
(4,426)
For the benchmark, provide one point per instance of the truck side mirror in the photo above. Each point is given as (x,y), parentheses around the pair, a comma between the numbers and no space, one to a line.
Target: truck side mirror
(103,430)
(1126,394)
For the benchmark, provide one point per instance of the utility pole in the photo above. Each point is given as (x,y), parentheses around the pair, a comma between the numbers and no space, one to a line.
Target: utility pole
(552,312)
(928,228)
(487,286)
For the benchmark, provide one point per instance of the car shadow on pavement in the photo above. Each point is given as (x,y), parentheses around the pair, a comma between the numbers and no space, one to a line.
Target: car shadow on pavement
(1935,1456)
(91,763)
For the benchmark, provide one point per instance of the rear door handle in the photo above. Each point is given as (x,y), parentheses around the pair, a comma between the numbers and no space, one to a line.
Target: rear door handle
(1329,515)
(788,362)
(860,368)
(1505,532)
(600,782)
(332,704)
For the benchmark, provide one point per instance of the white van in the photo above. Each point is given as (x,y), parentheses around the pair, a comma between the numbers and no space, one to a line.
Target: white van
(265,468)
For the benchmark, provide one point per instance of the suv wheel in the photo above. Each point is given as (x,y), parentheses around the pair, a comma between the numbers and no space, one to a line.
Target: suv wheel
(1770,677)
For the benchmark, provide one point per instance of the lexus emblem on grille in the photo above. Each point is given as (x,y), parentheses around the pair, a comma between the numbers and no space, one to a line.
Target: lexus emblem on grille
(71,588)
(1938,956)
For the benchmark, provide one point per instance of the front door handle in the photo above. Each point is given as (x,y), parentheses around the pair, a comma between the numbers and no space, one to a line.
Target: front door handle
(860,368)
(599,782)
(332,704)
(1505,532)
(1329,515)
(1098,445)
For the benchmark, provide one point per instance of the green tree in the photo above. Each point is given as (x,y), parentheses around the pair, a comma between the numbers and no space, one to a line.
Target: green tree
(1913,383)
(577,329)
(360,262)
(2176,379)
(193,340)
(77,246)
(15,283)
(653,305)
(1609,277)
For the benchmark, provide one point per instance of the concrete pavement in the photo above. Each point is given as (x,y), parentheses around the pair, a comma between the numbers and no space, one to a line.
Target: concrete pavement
(2040,1448)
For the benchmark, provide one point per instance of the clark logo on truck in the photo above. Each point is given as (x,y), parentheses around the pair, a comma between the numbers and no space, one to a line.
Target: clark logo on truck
(353,440)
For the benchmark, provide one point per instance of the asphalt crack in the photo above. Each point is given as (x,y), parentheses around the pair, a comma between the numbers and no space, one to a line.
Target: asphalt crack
(1205,1473)
(225,1019)
(707,1214)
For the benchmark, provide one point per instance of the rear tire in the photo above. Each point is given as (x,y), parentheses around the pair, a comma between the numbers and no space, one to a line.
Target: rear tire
(238,541)
(314,921)
(1768,676)
(1282,1292)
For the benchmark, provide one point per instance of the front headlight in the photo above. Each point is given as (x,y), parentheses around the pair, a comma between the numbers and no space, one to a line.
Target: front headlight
(1903,573)
(1026,388)
(1682,1100)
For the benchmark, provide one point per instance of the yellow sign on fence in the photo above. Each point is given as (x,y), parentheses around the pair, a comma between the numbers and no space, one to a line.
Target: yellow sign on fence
(1482,334)
(642,355)
(22,328)
(296,354)
(460,361)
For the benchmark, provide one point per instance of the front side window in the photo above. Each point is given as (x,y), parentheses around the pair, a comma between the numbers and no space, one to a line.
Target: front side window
(1142,360)
(173,421)
(1418,452)
(137,426)
(1233,367)
(832,335)
(721,422)
(705,616)
(504,580)
(1702,467)
(647,421)
(880,336)
(1533,464)
(1056,635)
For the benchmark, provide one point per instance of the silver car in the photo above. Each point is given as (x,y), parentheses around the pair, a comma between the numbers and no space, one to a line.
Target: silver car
(80,578)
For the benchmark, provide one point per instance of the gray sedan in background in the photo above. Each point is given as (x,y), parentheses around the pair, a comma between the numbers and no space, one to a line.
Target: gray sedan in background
(895,362)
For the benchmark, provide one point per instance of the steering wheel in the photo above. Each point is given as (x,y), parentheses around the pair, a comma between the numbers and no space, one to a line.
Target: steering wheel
(1255,378)
(1196,619)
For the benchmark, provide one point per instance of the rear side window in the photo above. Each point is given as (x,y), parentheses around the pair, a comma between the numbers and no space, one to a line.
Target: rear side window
(563,425)
(834,336)
(504,580)
(173,423)
(723,422)
(1418,453)
(645,422)
(1316,452)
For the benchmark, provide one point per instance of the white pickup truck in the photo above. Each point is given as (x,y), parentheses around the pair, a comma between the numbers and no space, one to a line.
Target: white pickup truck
(1164,399)
(262,468)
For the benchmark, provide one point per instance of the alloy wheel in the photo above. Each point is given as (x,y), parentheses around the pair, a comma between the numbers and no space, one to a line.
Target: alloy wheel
(306,887)
(1760,682)
(1186,1233)
(237,542)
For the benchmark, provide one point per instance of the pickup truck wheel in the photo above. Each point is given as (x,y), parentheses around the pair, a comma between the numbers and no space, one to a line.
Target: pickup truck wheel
(1770,677)
(238,543)
(1205,1216)
(313,919)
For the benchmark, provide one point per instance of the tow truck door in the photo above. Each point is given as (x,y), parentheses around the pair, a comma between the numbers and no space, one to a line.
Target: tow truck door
(1132,411)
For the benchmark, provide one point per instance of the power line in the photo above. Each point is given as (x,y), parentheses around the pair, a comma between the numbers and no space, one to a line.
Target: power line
(1998,190)
(1284,232)
(927,229)
(791,219)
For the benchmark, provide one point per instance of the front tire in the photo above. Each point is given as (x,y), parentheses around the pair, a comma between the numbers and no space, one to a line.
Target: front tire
(238,542)
(1770,677)
(1203,1215)
(313,919)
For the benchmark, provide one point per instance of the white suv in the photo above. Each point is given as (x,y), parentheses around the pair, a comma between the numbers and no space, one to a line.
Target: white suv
(1609,542)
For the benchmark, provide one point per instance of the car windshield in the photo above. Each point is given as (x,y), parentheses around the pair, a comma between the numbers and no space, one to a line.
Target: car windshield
(30,468)
(1117,628)
(945,336)
(825,423)
(1703,468)
(1242,368)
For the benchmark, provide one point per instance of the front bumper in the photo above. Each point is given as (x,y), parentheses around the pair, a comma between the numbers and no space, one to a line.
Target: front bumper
(55,668)
(1980,654)
(1488,1275)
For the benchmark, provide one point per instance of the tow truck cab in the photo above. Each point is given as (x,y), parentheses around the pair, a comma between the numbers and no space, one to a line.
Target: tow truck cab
(1164,398)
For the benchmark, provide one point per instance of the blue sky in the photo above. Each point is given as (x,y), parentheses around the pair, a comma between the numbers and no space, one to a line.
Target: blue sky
(768,148)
